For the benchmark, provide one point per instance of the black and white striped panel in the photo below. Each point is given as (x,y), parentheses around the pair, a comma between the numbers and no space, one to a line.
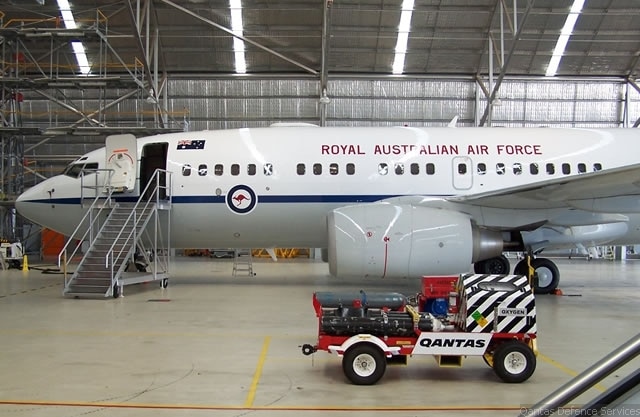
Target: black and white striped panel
(481,304)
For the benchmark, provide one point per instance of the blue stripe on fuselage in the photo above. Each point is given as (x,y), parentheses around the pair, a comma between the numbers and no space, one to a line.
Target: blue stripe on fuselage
(261,199)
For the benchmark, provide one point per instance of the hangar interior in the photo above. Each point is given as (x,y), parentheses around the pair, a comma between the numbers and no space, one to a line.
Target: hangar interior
(75,72)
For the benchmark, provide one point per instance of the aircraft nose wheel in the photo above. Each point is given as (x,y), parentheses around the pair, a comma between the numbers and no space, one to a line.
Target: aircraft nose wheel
(164,283)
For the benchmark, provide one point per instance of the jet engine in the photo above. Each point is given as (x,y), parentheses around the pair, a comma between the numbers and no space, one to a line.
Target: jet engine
(390,240)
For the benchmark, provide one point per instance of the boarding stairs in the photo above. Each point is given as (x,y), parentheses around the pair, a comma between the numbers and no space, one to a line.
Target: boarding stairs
(243,262)
(120,236)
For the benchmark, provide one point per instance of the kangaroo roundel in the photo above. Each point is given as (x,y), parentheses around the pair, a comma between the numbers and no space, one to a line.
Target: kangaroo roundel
(241,199)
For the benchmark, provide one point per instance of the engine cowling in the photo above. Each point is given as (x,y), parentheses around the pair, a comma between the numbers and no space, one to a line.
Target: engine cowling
(389,240)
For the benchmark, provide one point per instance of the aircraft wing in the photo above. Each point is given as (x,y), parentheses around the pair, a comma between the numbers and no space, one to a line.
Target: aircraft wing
(614,190)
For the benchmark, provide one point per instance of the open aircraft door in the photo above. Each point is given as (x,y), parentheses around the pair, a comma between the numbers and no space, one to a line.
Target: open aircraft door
(122,158)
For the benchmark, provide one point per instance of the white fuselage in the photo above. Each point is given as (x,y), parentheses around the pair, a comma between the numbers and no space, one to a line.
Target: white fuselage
(299,174)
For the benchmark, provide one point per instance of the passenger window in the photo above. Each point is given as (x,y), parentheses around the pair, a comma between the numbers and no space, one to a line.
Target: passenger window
(251,169)
(235,169)
(218,169)
(597,167)
(566,169)
(517,168)
(431,169)
(383,169)
(533,169)
(399,168)
(481,168)
(500,168)
(186,170)
(268,169)
(351,169)
(317,169)
(333,169)
(462,169)
(301,169)
(202,170)
(415,169)
(551,169)
(582,168)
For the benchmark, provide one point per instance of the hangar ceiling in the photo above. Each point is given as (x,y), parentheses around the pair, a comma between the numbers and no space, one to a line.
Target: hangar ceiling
(446,37)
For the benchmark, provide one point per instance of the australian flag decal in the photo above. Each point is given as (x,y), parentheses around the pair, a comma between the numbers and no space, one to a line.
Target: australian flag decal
(190,144)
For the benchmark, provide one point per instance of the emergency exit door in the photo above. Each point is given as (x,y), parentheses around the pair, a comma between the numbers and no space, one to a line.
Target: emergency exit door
(462,173)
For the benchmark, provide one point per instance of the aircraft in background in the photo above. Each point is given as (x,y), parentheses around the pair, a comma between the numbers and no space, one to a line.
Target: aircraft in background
(384,202)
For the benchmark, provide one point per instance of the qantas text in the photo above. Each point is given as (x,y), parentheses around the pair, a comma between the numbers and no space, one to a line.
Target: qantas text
(458,343)
(431,149)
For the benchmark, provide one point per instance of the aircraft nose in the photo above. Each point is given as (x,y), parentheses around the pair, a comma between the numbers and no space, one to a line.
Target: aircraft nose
(27,203)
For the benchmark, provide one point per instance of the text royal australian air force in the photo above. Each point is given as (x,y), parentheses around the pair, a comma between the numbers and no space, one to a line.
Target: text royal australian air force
(431,149)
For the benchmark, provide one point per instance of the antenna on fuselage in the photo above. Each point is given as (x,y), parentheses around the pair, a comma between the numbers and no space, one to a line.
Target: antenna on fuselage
(453,122)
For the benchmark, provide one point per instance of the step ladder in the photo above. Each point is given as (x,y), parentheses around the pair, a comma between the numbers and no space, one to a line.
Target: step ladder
(116,232)
(242,262)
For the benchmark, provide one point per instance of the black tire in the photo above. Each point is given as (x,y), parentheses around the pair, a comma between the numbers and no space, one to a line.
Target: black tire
(164,283)
(514,361)
(499,266)
(548,276)
(364,364)
(478,267)
(522,268)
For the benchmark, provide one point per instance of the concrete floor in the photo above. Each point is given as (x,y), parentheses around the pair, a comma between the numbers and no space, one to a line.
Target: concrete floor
(211,344)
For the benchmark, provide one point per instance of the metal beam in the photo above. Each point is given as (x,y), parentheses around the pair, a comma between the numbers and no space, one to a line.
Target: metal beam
(324,70)
(144,55)
(68,107)
(503,70)
(230,32)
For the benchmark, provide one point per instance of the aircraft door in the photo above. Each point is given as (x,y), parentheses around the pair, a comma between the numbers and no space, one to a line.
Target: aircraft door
(462,173)
(154,156)
(122,157)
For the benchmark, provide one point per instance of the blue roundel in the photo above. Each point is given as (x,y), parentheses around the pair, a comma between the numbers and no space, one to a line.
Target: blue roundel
(241,199)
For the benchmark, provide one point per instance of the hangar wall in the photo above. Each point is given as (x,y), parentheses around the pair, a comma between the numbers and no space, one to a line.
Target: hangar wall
(251,102)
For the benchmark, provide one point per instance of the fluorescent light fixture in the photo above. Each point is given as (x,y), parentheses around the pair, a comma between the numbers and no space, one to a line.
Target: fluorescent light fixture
(403,37)
(237,28)
(78,47)
(565,33)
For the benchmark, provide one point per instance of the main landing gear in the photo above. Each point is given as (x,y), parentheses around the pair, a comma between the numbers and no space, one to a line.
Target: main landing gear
(546,275)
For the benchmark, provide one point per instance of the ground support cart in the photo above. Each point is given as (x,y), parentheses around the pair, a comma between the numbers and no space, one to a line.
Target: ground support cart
(492,316)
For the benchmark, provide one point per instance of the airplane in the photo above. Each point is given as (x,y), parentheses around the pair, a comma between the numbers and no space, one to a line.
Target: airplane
(387,202)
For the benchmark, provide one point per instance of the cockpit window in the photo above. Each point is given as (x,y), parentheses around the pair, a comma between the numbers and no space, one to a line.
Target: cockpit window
(74,170)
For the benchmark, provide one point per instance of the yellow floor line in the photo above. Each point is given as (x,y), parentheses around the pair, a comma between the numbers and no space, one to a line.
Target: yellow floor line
(566,370)
(256,376)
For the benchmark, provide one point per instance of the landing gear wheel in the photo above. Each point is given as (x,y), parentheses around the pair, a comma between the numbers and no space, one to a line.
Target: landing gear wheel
(498,266)
(164,283)
(116,290)
(522,268)
(364,364)
(514,361)
(548,276)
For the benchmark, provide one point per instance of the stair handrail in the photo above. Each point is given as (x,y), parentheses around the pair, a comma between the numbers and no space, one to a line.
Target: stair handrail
(587,379)
(155,180)
(106,188)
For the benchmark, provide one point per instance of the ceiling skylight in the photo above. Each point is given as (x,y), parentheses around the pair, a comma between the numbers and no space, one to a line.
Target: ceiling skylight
(238,44)
(565,33)
(403,37)
(78,47)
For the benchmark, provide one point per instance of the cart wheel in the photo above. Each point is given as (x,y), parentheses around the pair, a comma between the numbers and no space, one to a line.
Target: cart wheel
(116,290)
(514,361)
(164,283)
(364,364)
